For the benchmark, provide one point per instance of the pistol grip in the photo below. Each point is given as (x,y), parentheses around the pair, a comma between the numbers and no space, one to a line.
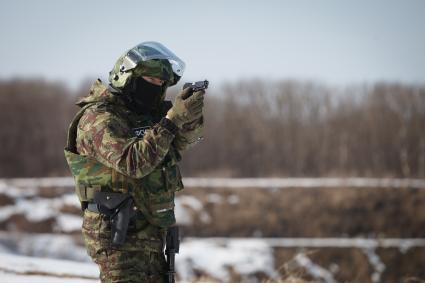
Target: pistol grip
(120,223)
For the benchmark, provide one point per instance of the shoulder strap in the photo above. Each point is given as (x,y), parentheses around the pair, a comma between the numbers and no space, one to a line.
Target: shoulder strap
(71,143)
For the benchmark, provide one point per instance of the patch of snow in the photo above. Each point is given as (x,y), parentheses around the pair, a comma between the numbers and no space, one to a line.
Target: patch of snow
(23,264)
(215,198)
(43,245)
(37,209)
(21,278)
(14,192)
(273,183)
(186,207)
(334,268)
(214,256)
(183,215)
(266,183)
(7,211)
(204,217)
(68,223)
(407,244)
(313,269)
(214,259)
(366,243)
(191,202)
(233,199)
(377,264)
(70,199)
(5,249)
(40,182)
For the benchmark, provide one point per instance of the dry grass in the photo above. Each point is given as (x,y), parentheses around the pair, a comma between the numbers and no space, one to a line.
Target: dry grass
(325,212)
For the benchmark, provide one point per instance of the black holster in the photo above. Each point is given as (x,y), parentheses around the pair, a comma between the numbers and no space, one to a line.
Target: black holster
(120,209)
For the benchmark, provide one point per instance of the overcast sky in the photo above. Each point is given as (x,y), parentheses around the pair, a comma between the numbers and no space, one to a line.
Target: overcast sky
(337,42)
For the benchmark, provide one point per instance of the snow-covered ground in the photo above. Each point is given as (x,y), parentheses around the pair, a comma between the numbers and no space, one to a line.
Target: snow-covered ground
(266,183)
(58,246)
(36,209)
(27,202)
(59,256)
(361,243)
(213,256)
(18,268)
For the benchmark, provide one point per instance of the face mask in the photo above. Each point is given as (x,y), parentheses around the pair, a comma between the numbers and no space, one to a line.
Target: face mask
(145,95)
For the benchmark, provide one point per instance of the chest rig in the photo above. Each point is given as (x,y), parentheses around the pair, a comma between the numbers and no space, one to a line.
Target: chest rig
(153,194)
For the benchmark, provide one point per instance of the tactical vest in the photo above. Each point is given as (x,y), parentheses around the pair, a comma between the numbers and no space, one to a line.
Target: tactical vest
(153,194)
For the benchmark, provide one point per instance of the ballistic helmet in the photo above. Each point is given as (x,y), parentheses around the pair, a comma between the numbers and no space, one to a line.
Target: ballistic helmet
(147,59)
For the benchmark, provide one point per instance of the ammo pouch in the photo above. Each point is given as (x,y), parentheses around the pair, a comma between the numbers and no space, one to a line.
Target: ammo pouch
(120,208)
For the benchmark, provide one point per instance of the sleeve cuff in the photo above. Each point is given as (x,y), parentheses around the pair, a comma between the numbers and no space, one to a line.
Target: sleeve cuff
(169,125)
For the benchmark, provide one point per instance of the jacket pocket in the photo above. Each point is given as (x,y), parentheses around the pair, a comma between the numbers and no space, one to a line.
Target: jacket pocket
(161,208)
(173,178)
(155,195)
(96,232)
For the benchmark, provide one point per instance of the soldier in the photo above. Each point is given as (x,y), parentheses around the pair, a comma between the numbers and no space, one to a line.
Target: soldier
(123,150)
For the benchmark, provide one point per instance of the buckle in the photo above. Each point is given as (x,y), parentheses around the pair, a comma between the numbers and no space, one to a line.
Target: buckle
(93,207)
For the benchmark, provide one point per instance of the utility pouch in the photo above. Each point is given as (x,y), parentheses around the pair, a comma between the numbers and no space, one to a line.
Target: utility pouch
(120,209)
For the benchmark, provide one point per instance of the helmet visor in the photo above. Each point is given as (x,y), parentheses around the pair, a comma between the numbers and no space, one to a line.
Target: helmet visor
(152,50)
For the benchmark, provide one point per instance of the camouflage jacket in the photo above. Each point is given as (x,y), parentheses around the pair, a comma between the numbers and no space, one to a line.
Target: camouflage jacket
(131,144)
(118,150)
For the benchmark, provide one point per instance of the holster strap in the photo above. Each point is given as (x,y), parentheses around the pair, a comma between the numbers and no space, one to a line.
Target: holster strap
(86,193)
(93,207)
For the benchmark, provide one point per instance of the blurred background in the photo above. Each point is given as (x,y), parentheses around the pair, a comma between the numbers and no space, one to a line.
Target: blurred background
(313,162)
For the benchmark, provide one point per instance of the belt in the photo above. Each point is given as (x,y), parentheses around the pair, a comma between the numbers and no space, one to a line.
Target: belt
(93,207)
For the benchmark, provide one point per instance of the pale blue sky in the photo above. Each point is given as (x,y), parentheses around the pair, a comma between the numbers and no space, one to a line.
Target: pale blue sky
(337,42)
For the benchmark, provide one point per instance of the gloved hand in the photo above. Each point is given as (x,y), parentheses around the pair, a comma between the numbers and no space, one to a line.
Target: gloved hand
(186,109)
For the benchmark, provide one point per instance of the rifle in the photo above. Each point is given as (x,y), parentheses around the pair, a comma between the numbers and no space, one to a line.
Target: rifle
(172,248)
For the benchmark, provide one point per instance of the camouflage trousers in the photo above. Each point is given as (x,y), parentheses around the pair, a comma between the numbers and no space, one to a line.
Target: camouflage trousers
(140,259)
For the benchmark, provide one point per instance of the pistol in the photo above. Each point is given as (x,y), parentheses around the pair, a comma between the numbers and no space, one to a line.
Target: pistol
(120,209)
(195,86)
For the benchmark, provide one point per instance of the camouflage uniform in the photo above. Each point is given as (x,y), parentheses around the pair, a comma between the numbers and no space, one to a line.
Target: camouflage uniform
(111,148)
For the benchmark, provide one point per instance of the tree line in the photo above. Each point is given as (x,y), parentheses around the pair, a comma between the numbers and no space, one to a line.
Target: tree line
(253,128)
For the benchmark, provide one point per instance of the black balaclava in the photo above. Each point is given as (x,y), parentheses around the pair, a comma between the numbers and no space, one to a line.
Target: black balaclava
(143,96)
